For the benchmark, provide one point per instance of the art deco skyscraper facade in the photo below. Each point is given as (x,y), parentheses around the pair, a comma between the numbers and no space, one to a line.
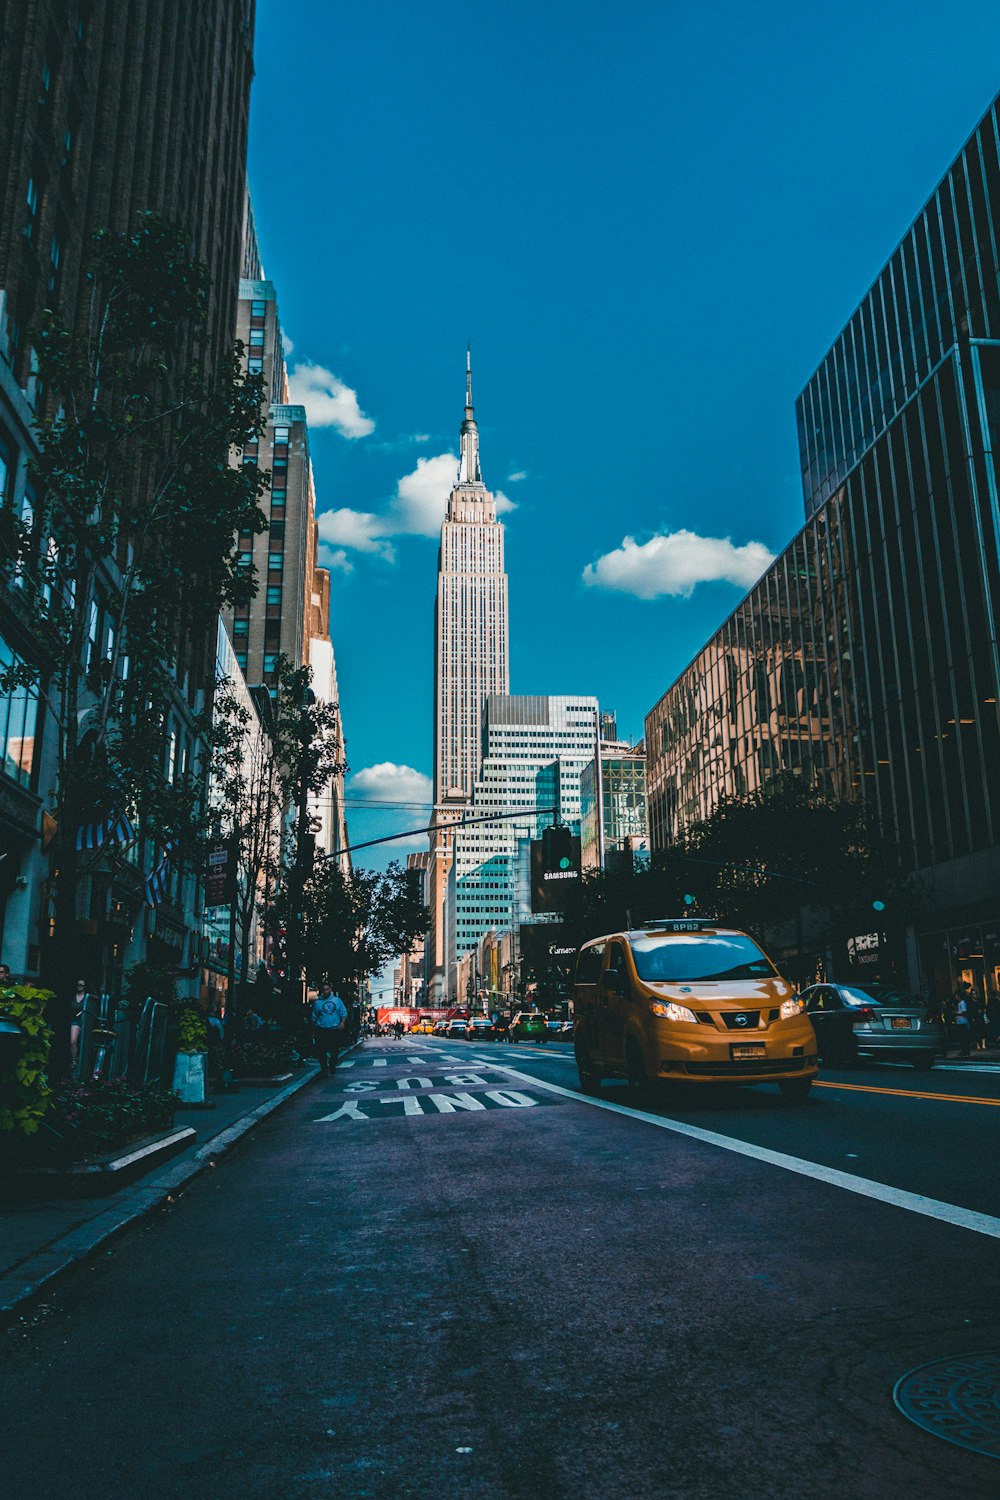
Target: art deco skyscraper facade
(471,659)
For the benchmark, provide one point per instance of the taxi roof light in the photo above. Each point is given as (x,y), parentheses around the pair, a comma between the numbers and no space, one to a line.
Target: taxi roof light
(676,924)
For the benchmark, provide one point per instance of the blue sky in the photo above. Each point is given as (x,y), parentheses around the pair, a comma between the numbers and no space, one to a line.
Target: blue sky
(651,221)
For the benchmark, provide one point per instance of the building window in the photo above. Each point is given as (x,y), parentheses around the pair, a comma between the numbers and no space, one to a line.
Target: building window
(241,660)
(278,499)
(31,203)
(270,663)
(255,366)
(241,626)
(256,337)
(275,562)
(281,436)
(274,593)
(18,724)
(257,309)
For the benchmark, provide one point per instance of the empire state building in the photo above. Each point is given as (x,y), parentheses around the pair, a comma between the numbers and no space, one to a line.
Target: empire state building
(471,662)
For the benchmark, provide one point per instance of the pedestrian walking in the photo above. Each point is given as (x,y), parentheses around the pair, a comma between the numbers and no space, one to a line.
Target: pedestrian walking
(329,1018)
(963,1024)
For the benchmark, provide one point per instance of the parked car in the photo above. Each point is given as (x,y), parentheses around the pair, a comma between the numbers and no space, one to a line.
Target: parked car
(480,1029)
(873,1020)
(527,1026)
(440,1027)
(456,1028)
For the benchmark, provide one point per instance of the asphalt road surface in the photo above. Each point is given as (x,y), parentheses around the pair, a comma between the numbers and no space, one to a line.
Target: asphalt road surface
(444,1271)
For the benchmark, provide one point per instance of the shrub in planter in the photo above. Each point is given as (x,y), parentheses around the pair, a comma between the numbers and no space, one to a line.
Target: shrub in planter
(192,1033)
(100,1116)
(261,1059)
(24,1060)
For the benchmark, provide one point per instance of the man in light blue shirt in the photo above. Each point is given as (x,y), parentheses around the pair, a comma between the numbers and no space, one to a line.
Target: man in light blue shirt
(329,1017)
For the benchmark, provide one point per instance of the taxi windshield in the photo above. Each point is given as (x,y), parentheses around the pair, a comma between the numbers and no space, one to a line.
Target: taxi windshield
(699,956)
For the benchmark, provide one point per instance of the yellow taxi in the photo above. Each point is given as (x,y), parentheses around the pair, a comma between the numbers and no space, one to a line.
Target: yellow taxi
(424,1027)
(688,1001)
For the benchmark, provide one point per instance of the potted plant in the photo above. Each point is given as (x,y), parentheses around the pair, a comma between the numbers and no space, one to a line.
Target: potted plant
(191,1065)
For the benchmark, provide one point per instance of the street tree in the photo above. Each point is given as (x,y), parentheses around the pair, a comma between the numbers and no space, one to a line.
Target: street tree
(356,921)
(127,554)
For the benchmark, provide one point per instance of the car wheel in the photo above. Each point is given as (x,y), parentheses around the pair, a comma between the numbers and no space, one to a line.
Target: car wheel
(590,1078)
(640,1087)
(795,1090)
(923,1064)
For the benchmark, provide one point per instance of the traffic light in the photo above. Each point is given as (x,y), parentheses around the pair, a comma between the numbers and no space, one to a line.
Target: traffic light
(878,906)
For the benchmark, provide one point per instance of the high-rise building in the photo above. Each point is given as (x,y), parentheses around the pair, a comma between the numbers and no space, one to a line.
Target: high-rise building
(534,752)
(471,662)
(290,613)
(865,660)
(107,112)
(613,814)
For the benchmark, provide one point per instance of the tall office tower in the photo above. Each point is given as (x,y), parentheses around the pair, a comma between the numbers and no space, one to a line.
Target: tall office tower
(865,659)
(535,750)
(290,613)
(107,112)
(471,661)
(614,820)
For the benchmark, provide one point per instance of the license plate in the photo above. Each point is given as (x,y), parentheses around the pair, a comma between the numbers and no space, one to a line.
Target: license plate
(751,1049)
(901,1021)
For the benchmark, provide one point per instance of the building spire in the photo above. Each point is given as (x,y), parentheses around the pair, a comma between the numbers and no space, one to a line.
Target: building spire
(469,471)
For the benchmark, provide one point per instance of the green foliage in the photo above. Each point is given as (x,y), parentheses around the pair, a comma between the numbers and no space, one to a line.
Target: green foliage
(755,863)
(24,1086)
(99,1116)
(355,923)
(137,508)
(145,980)
(192,1033)
(255,1059)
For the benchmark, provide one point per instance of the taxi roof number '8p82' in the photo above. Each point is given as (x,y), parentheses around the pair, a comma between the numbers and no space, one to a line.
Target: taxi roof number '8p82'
(676,924)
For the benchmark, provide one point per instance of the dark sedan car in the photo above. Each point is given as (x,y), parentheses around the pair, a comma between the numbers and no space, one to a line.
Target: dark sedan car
(854,1021)
(480,1030)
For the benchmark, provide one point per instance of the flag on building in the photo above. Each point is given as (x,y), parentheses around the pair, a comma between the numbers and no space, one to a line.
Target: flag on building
(114,828)
(158,882)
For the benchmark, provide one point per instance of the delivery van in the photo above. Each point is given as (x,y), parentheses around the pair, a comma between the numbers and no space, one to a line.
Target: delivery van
(691,1002)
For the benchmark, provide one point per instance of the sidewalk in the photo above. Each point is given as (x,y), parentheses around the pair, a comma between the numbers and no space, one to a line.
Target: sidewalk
(40,1241)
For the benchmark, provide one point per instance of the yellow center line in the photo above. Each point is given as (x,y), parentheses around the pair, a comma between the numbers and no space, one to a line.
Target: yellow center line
(871,1088)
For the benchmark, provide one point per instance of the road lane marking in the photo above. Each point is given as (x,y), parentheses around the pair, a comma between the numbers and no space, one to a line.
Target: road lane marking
(436,1105)
(930,1208)
(872,1088)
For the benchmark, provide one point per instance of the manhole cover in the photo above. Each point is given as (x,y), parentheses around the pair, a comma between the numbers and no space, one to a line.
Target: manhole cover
(956,1399)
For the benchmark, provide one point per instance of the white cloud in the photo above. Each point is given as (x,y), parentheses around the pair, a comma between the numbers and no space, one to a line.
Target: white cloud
(327,400)
(422,496)
(286,344)
(417,509)
(358,529)
(517,476)
(337,559)
(421,437)
(388,782)
(675,563)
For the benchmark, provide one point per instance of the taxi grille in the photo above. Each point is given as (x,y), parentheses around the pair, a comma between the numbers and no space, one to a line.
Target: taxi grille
(746,1067)
(749,1019)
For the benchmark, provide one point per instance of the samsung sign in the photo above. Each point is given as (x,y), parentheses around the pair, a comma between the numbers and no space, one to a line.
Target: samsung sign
(555,859)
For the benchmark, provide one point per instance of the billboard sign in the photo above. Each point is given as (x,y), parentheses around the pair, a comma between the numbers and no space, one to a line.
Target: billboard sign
(555,864)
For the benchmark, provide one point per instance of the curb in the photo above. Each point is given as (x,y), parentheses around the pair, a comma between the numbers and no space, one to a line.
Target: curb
(38,1273)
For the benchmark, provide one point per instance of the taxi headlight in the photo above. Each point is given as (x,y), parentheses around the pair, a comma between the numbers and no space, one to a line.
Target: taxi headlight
(790,1008)
(669,1010)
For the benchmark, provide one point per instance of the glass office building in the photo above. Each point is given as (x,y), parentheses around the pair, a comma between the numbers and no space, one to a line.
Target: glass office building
(866,658)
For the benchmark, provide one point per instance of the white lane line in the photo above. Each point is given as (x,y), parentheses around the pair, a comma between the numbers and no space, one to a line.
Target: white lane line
(916,1203)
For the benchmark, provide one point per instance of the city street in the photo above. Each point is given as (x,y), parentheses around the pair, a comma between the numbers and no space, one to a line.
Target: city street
(446,1270)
